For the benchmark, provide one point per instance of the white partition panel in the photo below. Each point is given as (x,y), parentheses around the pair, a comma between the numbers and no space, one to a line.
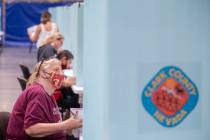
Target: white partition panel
(126,43)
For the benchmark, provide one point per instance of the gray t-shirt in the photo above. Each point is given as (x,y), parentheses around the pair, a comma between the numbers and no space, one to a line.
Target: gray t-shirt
(46,52)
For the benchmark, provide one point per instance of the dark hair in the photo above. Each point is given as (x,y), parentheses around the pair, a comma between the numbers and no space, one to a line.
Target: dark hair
(65,53)
(46,16)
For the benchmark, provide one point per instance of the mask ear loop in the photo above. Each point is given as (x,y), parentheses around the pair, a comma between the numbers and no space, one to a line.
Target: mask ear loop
(46,75)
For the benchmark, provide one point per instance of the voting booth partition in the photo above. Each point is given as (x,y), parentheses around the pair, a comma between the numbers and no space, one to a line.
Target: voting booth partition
(146,69)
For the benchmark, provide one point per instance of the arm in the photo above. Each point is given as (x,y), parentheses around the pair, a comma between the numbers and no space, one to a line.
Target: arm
(36,34)
(68,82)
(45,129)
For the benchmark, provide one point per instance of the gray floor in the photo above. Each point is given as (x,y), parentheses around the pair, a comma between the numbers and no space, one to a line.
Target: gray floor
(10,58)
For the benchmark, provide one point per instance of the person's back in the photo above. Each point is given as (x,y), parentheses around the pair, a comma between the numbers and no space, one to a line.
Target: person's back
(46,52)
(69,98)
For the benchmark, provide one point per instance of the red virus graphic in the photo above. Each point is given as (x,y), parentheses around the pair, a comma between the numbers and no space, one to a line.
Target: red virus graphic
(169,97)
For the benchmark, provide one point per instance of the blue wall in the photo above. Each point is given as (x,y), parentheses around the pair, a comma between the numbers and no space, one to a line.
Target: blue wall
(24,15)
(125,44)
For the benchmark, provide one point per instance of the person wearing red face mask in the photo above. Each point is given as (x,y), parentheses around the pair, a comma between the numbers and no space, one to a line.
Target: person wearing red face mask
(35,114)
(66,98)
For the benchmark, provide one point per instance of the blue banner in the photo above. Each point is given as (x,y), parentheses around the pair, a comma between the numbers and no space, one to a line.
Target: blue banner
(20,16)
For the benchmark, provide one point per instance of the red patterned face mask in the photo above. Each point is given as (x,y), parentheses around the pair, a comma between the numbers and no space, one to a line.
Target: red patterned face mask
(56,79)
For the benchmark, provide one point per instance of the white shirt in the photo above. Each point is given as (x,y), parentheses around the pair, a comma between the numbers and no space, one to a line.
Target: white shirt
(45,34)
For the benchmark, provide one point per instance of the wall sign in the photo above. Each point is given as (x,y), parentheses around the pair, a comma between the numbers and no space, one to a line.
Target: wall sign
(170,96)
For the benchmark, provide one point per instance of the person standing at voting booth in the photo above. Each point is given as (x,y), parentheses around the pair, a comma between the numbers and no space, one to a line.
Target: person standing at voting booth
(35,114)
(44,30)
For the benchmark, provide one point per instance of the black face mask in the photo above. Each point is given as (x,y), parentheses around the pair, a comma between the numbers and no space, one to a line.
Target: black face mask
(63,67)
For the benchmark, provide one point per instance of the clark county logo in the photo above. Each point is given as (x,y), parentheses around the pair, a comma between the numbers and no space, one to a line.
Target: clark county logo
(170,96)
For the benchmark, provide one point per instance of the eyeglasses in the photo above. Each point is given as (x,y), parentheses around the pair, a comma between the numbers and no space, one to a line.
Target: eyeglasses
(59,38)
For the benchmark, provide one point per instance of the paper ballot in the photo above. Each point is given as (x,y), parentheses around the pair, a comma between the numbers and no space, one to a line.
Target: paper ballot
(68,72)
(77,89)
(78,114)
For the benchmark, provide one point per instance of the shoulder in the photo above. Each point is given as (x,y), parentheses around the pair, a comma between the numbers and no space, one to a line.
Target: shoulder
(34,91)
(45,48)
(45,52)
(34,87)
(49,50)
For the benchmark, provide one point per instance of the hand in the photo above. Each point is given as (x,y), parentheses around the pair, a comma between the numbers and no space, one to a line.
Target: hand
(72,123)
(68,82)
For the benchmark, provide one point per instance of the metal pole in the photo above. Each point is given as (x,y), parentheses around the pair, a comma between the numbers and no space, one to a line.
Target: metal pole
(3,20)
